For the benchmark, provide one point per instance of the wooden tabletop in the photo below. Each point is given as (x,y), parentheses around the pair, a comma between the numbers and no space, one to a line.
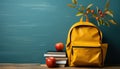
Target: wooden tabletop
(43,66)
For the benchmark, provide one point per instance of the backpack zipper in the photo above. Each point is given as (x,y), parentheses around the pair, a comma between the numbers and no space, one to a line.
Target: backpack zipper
(83,47)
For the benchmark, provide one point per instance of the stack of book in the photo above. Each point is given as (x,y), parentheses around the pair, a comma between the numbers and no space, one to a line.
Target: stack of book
(60,57)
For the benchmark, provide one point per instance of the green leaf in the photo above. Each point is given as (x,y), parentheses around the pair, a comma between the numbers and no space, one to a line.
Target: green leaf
(90,5)
(74,1)
(109,13)
(107,24)
(70,5)
(112,21)
(107,5)
(82,8)
(98,22)
(79,14)
(97,9)
(94,15)
(101,21)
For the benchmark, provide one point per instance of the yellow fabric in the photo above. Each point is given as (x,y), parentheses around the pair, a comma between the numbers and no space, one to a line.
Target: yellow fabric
(84,45)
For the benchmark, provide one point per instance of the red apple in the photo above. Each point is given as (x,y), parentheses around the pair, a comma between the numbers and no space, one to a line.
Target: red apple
(100,11)
(59,46)
(51,62)
(102,15)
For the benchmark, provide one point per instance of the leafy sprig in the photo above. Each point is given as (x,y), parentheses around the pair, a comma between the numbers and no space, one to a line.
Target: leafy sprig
(104,17)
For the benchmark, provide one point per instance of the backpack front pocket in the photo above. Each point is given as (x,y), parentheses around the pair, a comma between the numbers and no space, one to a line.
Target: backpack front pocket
(86,56)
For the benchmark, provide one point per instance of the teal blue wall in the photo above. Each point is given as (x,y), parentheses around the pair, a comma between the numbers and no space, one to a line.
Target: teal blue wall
(30,28)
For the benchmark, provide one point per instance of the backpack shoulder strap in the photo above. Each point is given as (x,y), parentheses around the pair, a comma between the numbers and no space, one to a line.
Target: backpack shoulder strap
(68,37)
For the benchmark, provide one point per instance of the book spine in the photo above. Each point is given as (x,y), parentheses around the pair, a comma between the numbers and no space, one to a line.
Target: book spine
(52,55)
(61,58)
(61,62)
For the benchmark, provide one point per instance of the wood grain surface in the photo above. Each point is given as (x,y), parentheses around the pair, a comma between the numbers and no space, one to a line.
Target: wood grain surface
(43,66)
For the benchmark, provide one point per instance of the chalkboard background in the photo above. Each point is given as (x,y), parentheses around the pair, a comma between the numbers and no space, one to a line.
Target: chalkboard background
(30,28)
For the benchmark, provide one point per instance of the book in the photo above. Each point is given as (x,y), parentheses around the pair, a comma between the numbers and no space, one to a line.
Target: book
(61,58)
(54,55)
(61,62)
(56,52)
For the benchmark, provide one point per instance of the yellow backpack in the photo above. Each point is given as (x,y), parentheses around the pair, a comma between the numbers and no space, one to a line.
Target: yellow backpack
(84,45)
